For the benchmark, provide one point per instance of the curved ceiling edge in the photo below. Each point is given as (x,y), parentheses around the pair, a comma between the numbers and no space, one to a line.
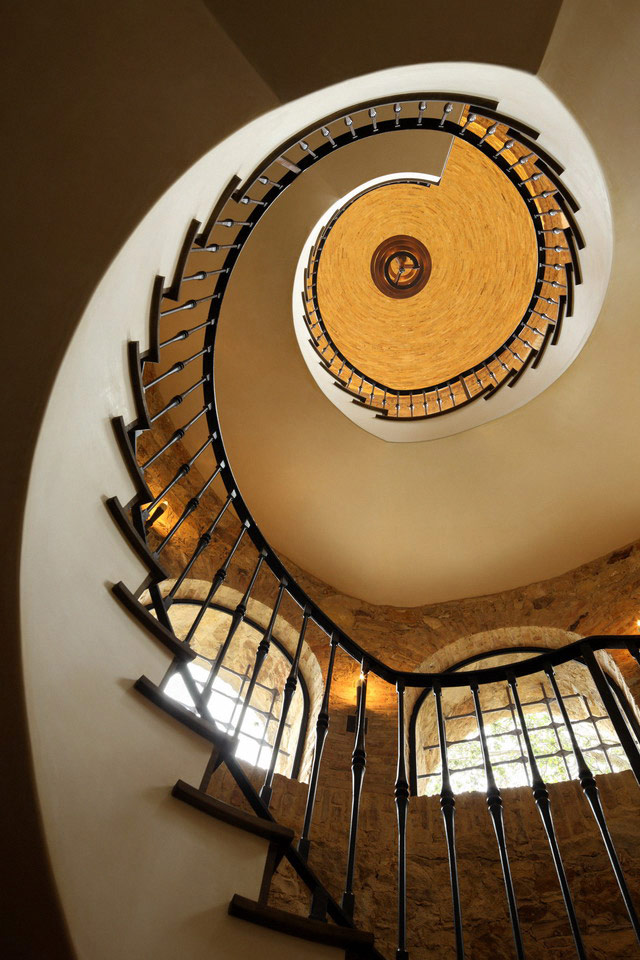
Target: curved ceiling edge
(584,176)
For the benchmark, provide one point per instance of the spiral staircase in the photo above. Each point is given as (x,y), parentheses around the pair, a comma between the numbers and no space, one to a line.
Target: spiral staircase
(184,505)
(197,546)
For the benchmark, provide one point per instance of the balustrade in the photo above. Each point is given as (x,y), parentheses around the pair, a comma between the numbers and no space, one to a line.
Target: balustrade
(512,147)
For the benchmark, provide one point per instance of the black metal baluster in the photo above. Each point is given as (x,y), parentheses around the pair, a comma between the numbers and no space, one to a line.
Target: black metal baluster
(237,617)
(289,690)
(494,803)
(622,730)
(358,767)
(178,399)
(402,807)
(185,334)
(148,509)
(590,788)
(177,435)
(176,367)
(543,803)
(322,728)
(216,583)
(203,541)
(190,507)
(448,808)
(261,654)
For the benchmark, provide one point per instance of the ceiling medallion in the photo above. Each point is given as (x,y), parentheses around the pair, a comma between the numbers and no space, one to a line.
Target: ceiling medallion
(400,267)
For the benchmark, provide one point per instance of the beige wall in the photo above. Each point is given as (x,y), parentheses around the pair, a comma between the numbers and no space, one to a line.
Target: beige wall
(299,47)
(105,105)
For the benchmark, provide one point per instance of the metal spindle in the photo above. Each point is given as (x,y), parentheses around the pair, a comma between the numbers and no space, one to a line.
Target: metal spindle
(524,159)
(176,368)
(448,808)
(185,334)
(178,435)
(203,541)
(203,274)
(218,579)
(188,304)
(228,222)
(181,472)
(190,507)
(237,617)
(322,728)
(179,398)
(402,806)
(591,792)
(326,133)
(261,654)
(494,803)
(489,132)
(214,247)
(543,803)
(358,767)
(289,690)
(305,146)
(448,107)
(507,145)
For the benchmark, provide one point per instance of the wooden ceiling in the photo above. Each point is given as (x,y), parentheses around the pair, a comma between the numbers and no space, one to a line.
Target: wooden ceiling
(484,257)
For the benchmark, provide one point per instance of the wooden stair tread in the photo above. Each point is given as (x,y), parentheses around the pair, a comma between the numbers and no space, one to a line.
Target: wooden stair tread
(229,814)
(348,938)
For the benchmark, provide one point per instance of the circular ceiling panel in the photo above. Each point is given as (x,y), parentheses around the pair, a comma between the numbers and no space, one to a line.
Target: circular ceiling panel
(417,283)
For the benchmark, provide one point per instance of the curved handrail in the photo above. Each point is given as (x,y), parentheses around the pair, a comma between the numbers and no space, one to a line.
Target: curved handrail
(495,368)
(356,127)
(334,140)
(360,121)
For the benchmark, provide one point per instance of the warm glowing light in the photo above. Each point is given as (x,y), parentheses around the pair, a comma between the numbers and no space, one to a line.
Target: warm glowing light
(638,624)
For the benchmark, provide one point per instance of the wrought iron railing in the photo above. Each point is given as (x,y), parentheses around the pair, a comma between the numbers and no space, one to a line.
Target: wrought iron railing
(200,520)
(550,208)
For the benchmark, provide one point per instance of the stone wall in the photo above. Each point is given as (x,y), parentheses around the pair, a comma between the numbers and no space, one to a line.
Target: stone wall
(604,924)
(600,597)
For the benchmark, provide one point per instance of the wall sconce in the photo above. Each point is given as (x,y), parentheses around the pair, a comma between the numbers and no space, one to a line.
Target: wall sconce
(162,507)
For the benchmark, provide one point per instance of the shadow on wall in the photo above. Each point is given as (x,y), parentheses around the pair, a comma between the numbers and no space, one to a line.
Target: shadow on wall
(351,39)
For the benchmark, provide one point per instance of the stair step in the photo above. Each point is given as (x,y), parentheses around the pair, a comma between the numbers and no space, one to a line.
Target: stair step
(274,832)
(358,943)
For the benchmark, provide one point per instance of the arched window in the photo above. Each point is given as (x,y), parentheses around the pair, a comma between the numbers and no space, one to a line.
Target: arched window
(248,712)
(547,732)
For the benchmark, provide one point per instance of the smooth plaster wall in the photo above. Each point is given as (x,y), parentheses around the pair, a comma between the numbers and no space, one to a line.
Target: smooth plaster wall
(105,104)
(299,47)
